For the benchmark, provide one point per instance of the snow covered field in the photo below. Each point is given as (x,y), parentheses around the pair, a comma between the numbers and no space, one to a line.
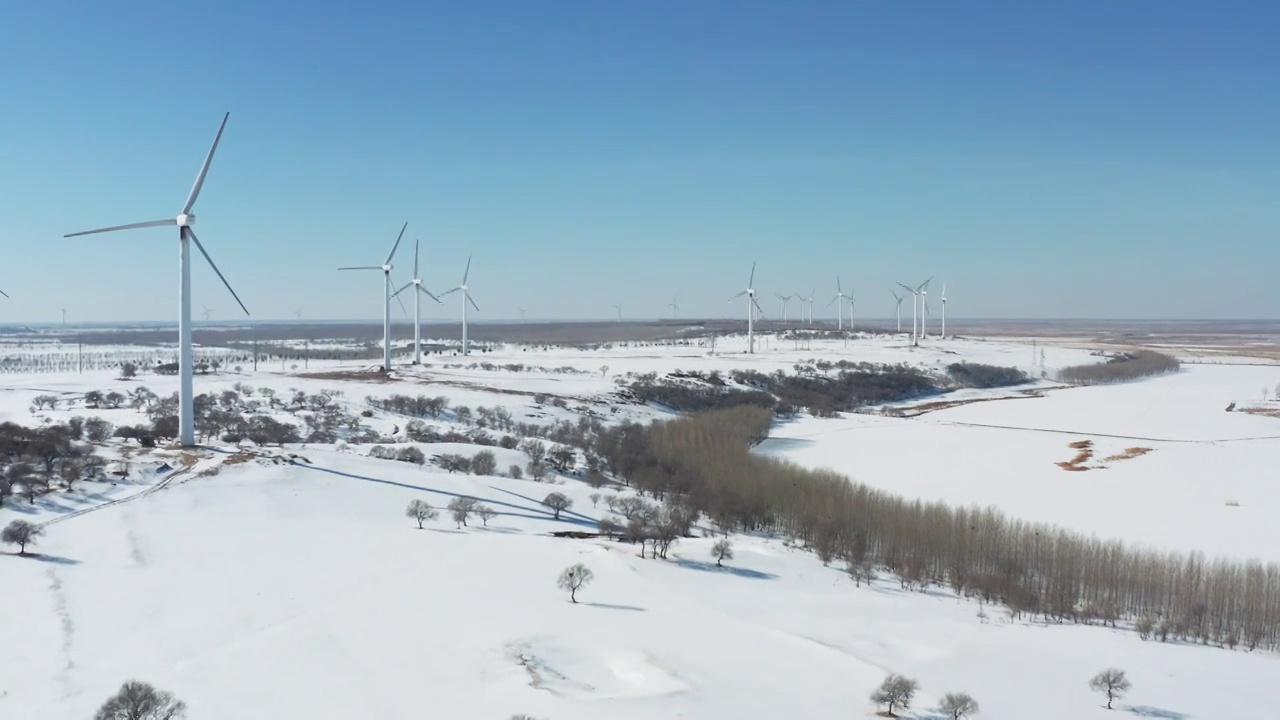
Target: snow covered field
(254,588)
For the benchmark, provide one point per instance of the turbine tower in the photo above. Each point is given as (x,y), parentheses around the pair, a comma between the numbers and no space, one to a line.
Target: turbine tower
(916,293)
(618,307)
(944,311)
(752,306)
(64,315)
(899,298)
(385,267)
(186,236)
(416,282)
(809,301)
(839,298)
(466,298)
(675,308)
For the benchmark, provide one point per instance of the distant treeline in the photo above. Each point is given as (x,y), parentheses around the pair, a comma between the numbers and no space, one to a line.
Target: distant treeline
(1120,368)
(704,463)
(820,388)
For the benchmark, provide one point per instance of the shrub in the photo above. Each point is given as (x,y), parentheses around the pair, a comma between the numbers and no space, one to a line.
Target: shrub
(20,533)
(484,463)
(895,691)
(421,511)
(139,701)
(515,472)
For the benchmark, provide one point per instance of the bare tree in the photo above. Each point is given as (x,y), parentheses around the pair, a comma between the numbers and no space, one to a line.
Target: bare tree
(515,472)
(461,508)
(595,499)
(722,550)
(895,691)
(486,514)
(557,502)
(22,534)
(140,701)
(484,463)
(1112,682)
(573,578)
(421,511)
(958,705)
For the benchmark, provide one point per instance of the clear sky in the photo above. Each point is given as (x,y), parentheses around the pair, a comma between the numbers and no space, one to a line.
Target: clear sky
(1089,160)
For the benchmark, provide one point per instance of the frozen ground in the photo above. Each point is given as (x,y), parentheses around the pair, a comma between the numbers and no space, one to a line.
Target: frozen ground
(256,589)
(269,591)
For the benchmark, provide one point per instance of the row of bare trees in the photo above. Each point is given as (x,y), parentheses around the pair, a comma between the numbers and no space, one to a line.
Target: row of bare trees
(1120,368)
(704,463)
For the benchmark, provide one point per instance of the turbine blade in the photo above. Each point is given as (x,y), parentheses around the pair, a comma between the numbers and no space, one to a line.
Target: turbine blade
(204,170)
(467,273)
(753,302)
(362,267)
(428,292)
(448,292)
(839,289)
(833,300)
(403,309)
(473,302)
(752,282)
(416,243)
(402,289)
(397,245)
(130,226)
(5,294)
(205,253)
(735,297)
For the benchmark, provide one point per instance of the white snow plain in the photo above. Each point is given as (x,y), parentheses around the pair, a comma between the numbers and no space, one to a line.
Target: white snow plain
(263,589)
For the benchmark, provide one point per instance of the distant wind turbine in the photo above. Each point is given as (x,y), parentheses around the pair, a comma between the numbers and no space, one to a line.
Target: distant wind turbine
(64,315)
(898,308)
(297,314)
(783,301)
(839,299)
(466,299)
(752,306)
(522,314)
(618,307)
(809,301)
(419,291)
(385,267)
(207,313)
(186,236)
(916,293)
(944,311)
(675,308)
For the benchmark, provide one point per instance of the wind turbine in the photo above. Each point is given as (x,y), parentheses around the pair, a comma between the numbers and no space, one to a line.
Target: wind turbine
(752,306)
(466,298)
(186,236)
(853,304)
(675,308)
(385,267)
(899,298)
(207,313)
(416,282)
(809,300)
(297,314)
(839,298)
(618,307)
(783,301)
(944,311)
(916,293)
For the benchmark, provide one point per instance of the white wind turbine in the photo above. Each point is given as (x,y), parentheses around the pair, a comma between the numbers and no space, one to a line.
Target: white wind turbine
(466,299)
(899,298)
(207,313)
(944,311)
(783,301)
(675,308)
(386,297)
(618,307)
(416,282)
(186,236)
(839,299)
(916,293)
(752,306)
(853,304)
(809,302)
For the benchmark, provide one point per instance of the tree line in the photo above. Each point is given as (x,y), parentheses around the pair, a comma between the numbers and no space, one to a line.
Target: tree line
(1124,367)
(704,464)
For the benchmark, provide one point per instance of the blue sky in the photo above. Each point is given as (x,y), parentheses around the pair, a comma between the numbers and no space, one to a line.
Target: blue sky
(1091,160)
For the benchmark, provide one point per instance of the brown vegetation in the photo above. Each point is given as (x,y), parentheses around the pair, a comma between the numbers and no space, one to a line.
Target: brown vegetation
(1120,368)
(1077,463)
(1128,454)
(704,463)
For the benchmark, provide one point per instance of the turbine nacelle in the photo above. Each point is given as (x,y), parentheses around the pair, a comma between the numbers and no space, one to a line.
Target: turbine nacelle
(387,268)
(186,220)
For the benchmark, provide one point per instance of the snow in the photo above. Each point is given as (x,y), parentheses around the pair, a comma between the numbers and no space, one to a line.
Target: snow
(257,588)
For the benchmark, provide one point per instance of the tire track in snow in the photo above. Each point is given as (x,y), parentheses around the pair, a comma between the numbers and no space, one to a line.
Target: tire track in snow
(67,628)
